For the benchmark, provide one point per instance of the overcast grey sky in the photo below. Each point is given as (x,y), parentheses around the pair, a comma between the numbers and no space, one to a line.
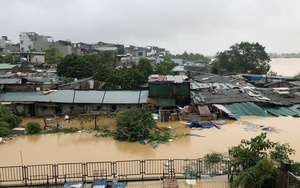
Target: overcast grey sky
(197,26)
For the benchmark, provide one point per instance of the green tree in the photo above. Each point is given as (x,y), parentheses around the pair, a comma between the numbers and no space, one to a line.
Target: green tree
(4,129)
(33,128)
(263,174)
(125,78)
(53,56)
(6,115)
(7,59)
(134,124)
(108,58)
(165,67)
(101,69)
(73,66)
(258,156)
(145,66)
(192,57)
(245,58)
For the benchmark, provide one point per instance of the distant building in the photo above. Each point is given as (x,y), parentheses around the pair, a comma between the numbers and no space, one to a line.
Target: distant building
(2,44)
(35,58)
(41,42)
(26,41)
(195,68)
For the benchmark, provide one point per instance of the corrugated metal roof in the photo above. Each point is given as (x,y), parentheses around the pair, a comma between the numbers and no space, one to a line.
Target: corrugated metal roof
(166,102)
(221,97)
(236,110)
(62,96)
(10,80)
(6,66)
(121,97)
(90,96)
(283,111)
(76,96)
(143,96)
(198,85)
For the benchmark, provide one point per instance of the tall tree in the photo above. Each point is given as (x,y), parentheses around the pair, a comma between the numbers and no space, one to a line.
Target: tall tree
(245,58)
(7,59)
(125,78)
(145,66)
(101,69)
(165,67)
(53,56)
(135,124)
(73,66)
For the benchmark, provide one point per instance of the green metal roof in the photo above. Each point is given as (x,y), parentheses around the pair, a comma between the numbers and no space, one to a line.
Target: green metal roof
(166,102)
(283,110)
(6,66)
(236,110)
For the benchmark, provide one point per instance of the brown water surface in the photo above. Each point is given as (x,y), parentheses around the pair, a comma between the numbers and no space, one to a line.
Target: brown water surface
(85,147)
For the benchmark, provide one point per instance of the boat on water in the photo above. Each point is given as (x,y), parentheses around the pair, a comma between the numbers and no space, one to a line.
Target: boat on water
(75,184)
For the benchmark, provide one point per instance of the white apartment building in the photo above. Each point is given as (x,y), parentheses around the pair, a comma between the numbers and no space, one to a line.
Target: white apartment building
(26,41)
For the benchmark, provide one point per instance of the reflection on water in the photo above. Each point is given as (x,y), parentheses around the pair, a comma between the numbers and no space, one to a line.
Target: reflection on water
(85,147)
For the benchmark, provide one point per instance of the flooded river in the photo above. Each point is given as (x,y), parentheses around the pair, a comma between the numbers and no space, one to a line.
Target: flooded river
(86,147)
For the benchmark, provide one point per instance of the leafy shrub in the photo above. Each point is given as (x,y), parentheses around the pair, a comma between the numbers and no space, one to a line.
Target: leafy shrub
(7,115)
(33,128)
(213,157)
(4,129)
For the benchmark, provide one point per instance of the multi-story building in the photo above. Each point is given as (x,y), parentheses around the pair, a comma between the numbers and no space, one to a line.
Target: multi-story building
(41,42)
(2,44)
(26,41)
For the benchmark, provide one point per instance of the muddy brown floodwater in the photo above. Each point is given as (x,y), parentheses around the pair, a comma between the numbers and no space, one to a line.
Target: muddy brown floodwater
(85,147)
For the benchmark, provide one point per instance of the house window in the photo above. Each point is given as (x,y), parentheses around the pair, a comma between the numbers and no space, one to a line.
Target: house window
(71,108)
(45,107)
(140,53)
(22,42)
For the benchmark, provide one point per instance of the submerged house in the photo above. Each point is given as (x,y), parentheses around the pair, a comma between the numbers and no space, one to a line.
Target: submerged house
(167,94)
(72,102)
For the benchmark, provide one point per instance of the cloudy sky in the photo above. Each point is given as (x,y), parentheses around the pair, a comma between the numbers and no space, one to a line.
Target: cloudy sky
(195,26)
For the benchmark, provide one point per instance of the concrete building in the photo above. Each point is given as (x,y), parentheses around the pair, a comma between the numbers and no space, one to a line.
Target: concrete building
(41,42)
(2,45)
(26,41)
(34,58)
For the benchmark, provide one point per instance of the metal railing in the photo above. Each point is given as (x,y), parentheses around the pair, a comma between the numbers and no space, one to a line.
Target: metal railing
(293,181)
(130,170)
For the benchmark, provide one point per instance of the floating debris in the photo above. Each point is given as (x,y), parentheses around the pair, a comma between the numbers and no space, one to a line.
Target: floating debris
(248,126)
(195,135)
